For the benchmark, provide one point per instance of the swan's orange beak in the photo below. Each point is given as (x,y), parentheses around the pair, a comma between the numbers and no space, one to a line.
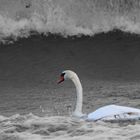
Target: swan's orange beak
(60,80)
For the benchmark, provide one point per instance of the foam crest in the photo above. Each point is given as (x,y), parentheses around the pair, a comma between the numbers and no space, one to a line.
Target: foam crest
(71,18)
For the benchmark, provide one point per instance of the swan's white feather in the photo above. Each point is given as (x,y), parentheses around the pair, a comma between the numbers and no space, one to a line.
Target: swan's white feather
(113,112)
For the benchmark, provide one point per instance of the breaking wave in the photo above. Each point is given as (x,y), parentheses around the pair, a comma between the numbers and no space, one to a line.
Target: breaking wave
(20,18)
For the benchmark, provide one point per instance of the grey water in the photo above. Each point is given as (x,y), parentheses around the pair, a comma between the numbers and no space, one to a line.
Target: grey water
(99,40)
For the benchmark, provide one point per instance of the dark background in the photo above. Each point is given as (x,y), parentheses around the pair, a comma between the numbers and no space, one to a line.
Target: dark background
(38,60)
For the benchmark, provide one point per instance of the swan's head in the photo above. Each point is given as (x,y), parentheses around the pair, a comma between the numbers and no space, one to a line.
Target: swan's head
(67,74)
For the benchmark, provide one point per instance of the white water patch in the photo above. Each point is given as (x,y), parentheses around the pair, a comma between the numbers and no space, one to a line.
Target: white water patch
(31,127)
(19,18)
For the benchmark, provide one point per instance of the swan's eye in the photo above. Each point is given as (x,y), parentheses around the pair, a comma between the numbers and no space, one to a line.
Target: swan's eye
(62,74)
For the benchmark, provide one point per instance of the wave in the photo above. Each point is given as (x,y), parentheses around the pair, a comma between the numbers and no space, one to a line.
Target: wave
(18,18)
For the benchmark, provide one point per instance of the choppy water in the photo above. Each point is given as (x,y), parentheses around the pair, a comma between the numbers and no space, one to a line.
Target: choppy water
(31,127)
(24,87)
(57,123)
(18,18)
(29,72)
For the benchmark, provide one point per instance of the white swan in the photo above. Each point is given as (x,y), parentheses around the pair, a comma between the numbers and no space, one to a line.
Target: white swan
(109,112)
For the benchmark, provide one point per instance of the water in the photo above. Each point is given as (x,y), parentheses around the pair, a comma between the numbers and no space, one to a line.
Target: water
(50,116)
(30,127)
(32,105)
(18,18)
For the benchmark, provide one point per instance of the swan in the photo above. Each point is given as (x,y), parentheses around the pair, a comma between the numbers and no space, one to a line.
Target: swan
(108,112)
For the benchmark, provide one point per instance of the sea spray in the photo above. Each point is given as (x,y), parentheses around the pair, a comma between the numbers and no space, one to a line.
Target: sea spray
(67,18)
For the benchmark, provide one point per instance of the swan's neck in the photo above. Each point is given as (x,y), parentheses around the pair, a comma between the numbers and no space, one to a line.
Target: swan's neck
(78,110)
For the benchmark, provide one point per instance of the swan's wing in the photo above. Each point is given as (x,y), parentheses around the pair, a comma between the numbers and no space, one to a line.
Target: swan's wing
(112,112)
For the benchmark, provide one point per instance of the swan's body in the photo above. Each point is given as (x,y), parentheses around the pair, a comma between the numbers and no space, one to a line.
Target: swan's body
(109,112)
(114,112)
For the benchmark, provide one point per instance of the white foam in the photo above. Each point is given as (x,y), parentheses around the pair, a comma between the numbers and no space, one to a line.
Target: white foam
(69,18)
(31,127)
